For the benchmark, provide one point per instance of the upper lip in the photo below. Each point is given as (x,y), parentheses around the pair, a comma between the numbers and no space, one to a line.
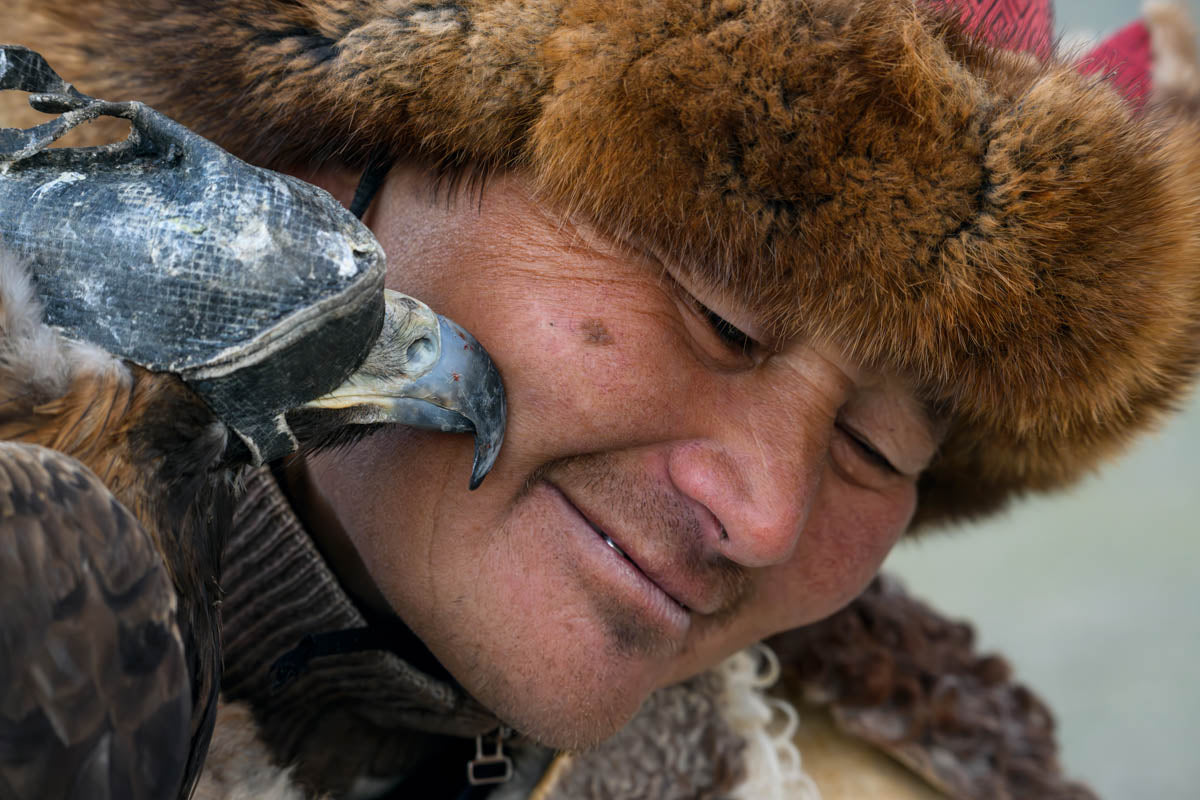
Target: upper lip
(685,588)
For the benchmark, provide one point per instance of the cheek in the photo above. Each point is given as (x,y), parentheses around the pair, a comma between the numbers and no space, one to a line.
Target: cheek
(380,496)
(846,540)
(583,378)
(572,365)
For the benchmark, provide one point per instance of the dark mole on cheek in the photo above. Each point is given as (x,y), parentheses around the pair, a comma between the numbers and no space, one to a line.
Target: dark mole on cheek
(594,332)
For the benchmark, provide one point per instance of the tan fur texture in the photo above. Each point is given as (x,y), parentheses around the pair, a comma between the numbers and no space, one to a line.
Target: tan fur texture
(1176,63)
(239,764)
(999,229)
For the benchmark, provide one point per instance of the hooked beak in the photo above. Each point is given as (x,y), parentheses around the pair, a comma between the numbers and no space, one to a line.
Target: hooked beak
(425,371)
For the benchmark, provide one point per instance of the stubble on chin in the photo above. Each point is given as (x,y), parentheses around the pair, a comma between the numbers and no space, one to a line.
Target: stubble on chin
(574,700)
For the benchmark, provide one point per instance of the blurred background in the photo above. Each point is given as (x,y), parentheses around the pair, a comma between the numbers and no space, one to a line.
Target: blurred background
(1094,596)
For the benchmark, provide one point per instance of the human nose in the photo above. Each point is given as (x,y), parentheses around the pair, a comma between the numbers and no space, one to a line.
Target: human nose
(757,476)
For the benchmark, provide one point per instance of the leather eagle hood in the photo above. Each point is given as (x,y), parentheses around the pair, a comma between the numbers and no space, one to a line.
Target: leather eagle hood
(1006,232)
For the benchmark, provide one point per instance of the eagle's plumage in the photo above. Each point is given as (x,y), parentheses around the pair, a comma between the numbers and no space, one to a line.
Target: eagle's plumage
(89,627)
(113,502)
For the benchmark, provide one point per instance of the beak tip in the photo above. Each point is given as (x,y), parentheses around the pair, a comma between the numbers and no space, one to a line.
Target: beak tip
(485,458)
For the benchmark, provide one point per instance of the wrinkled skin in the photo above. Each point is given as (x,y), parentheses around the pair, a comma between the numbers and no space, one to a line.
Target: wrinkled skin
(732,474)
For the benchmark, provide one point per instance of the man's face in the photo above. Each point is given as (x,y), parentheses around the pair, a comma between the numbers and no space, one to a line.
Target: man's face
(751,487)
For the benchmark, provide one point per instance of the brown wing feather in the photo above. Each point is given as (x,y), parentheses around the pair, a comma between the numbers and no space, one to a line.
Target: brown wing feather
(95,698)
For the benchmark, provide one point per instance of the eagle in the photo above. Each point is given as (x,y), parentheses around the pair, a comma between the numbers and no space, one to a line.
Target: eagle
(156,338)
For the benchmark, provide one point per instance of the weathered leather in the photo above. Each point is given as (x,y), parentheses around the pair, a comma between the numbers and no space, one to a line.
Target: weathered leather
(257,288)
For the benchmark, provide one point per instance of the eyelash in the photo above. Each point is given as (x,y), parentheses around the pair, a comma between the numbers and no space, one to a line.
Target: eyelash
(867,450)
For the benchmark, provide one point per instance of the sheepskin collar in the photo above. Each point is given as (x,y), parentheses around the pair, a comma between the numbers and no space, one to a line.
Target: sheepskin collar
(895,673)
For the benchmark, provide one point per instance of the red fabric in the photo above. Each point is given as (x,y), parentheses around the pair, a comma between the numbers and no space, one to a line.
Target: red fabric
(1126,59)
(1013,24)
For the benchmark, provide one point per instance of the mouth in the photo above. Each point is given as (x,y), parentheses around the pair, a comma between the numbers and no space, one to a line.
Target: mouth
(680,589)
(616,548)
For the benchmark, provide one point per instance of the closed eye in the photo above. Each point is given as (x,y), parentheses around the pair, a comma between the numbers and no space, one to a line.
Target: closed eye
(732,337)
(868,451)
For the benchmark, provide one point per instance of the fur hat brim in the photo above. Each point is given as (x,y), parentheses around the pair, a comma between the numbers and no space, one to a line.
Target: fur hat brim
(1000,229)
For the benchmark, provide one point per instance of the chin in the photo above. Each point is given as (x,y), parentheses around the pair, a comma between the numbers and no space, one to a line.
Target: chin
(568,721)
(564,705)
(572,731)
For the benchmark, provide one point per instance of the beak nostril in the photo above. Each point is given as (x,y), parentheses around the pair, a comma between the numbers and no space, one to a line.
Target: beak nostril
(420,354)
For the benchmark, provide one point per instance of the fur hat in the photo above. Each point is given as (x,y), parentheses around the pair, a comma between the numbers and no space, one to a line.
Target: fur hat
(998,227)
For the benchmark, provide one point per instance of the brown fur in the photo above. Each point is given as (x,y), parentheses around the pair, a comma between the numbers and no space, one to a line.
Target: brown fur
(1003,231)
(900,676)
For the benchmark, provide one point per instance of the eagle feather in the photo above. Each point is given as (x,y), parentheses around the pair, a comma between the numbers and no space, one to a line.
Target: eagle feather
(101,456)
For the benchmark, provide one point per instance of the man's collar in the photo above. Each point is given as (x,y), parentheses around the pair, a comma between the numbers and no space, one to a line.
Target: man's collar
(278,591)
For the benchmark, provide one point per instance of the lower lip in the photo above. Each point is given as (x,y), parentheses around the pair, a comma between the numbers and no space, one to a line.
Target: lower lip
(627,581)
